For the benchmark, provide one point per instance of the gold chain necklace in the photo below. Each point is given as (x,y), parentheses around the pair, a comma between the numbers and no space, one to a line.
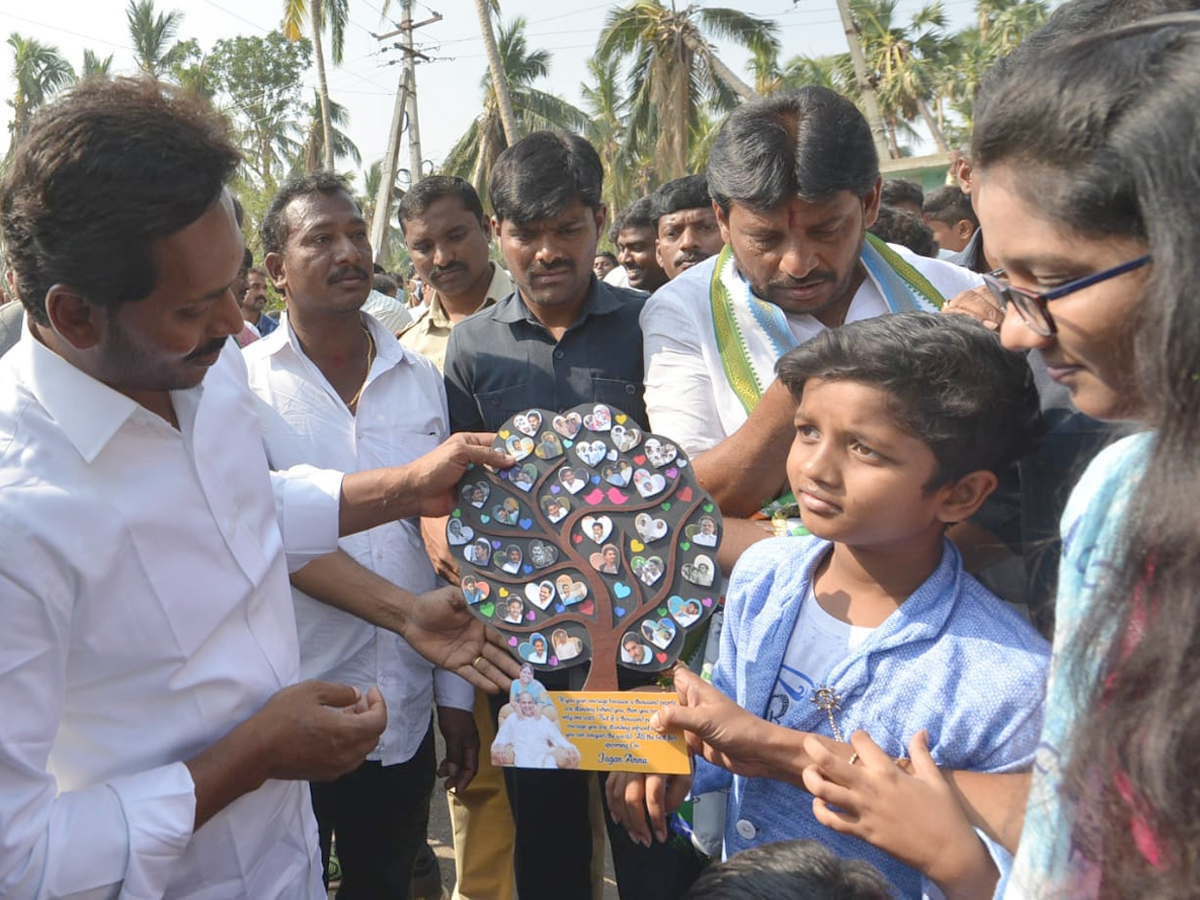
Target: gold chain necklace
(352,403)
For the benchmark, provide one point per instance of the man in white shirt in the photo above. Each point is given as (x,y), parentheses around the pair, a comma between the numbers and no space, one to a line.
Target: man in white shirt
(795,185)
(154,738)
(315,410)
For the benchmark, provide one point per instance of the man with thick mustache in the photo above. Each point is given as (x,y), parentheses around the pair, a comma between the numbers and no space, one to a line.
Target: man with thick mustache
(338,391)
(254,301)
(688,232)
(448,238)
(795,185)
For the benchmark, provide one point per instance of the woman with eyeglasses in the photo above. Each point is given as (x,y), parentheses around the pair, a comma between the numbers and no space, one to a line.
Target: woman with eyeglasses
(1087,185)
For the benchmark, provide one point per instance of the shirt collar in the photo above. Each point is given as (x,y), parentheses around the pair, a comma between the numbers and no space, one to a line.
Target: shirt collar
(599,301)
(88,411)
(499,287)
(389,352)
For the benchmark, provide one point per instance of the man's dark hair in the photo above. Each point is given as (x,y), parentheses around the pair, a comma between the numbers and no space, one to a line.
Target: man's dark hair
(429,191)
(810,143)
(385,284)
(540,174)
(688,192)
(790,870)
(609,255)
(950,383)
(641,213)
(898,191)
(274,228)
(898,226)
(106,171)
(949,205)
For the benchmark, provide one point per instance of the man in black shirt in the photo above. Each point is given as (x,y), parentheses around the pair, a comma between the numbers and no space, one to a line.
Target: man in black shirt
(561,339)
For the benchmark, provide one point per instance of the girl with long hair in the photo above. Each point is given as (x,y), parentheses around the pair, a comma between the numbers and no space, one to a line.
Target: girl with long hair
(1087,168)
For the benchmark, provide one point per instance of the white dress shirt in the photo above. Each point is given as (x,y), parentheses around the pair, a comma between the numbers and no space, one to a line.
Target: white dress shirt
(144,596)
(394,315)
(401,415)
(688,398)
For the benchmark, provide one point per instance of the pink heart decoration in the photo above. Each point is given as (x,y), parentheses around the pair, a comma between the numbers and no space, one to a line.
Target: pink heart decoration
(640,458)
(672,472)
(707,601)
(512,642)
(661,657)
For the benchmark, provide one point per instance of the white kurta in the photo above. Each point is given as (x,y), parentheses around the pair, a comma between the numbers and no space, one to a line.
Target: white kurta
(687,395)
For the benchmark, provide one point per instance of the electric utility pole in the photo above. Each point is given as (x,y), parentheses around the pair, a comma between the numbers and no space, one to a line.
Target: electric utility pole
(406,102)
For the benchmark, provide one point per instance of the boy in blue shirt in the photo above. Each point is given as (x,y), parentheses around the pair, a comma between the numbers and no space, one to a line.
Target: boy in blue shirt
(871,623)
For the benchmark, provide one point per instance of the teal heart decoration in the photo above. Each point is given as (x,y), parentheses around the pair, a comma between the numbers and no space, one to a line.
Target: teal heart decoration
(622,590)
(485,519)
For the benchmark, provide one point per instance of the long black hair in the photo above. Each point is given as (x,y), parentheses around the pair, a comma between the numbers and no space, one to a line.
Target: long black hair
(1107,139)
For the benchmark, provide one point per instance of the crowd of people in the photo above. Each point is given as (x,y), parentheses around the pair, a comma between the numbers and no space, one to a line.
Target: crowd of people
(244,662)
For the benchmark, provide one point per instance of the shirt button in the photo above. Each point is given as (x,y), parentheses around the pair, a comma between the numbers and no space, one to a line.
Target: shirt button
(745,830)
(558,354)
(630,389)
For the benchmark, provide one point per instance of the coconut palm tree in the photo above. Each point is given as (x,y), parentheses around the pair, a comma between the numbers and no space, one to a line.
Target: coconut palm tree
(318,13)
(625,175)
(474,153)
(39,71)
(94,66)
(902,60)
(673,71)
(152,36)
(312,151)
(484,9)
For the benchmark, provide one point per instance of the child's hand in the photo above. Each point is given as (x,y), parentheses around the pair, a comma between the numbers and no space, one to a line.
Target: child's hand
(640,802)
(915,817)
(715,727)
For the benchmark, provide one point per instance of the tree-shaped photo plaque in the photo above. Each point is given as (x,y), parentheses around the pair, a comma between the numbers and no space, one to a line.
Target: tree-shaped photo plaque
(597,547)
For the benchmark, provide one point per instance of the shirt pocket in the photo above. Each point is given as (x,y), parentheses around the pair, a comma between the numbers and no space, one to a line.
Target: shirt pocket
(625,396)
(497,406)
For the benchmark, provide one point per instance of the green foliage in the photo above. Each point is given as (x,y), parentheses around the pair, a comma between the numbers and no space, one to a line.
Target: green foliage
(152,36)
(256,82)
(39,72)
(474,153)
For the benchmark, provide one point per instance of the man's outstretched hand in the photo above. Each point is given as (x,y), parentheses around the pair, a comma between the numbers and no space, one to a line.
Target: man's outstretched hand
(442,628)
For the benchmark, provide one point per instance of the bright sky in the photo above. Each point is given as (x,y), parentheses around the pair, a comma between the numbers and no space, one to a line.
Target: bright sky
(448,88)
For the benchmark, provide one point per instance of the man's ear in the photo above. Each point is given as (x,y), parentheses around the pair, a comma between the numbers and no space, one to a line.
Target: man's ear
(871,203)
(722,222)
(965,228)
(964,174)
(273,263)
(73,317)
(966,496)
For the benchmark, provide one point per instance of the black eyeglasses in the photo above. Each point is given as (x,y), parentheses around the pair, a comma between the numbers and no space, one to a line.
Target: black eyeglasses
(1032,306)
